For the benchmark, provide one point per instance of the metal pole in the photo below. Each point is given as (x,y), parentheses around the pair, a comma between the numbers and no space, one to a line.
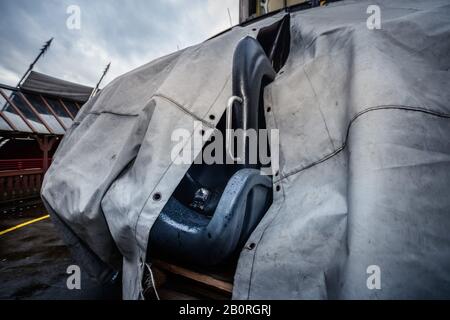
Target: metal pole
(94,92)
(30,68)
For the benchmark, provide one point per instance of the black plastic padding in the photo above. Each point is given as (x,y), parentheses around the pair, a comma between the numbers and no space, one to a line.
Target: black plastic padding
(183,234)
(252,70)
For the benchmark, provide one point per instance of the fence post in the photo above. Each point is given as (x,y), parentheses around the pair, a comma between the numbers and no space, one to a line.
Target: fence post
(45,144)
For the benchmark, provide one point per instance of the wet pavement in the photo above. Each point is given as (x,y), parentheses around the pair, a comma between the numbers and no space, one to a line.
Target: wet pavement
(34,260)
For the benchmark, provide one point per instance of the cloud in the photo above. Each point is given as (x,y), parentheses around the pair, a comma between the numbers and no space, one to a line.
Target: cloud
(126,33)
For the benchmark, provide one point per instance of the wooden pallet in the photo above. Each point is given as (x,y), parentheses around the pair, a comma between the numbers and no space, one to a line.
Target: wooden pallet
(177,282)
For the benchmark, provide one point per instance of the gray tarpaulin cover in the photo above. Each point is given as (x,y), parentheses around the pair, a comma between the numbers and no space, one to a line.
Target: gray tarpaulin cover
(363,118)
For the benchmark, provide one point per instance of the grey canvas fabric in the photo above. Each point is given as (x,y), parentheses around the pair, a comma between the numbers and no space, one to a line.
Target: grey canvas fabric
(363,117)
(364,126)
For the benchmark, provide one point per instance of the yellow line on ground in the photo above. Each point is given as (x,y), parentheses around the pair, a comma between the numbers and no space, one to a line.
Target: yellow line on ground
(23,224)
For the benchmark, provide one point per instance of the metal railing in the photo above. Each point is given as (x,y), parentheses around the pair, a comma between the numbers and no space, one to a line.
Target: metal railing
(20,103)
(21,164)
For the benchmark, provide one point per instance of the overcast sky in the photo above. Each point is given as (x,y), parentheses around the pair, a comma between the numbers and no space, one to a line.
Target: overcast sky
(128,33)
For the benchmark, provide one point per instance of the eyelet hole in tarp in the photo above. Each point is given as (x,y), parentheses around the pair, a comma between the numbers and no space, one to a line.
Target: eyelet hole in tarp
(156,196)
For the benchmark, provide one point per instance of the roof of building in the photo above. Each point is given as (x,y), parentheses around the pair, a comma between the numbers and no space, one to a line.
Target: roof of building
(43,105)
(43,84)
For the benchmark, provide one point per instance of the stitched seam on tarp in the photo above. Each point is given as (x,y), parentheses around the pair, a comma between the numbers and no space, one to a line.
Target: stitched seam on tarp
(97,113)
(182,108)
(355,117)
